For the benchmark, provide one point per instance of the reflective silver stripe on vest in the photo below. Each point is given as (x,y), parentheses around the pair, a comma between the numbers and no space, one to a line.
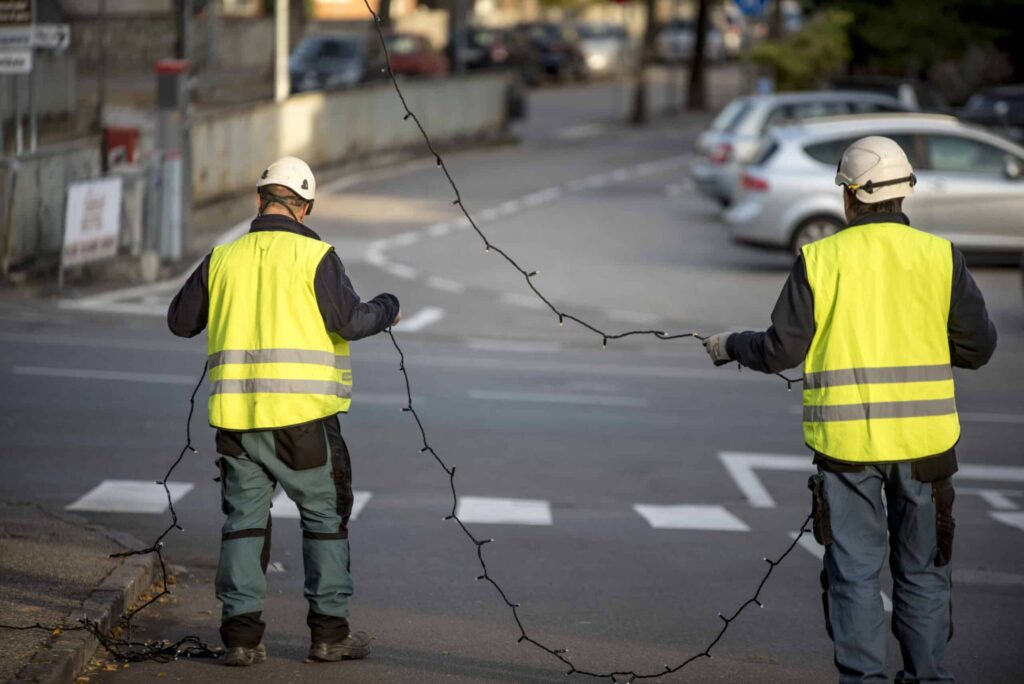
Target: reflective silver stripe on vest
(274,386)
(867,376)
(881,409)
(319,358)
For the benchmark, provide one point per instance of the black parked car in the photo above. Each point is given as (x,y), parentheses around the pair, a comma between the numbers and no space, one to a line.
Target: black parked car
(340,60)
(1000,108)
(555,49)
(490,48)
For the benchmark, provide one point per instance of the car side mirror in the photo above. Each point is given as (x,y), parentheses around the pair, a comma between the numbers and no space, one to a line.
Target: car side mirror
(1012,168)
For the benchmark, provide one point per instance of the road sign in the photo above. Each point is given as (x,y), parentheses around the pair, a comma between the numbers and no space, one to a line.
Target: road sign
(92,221)
(751,8)
(15,11)
(46,36)
(16,62)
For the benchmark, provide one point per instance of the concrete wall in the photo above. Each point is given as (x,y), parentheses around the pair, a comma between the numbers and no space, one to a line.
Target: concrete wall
(55,88)
(231,147)
(42,179)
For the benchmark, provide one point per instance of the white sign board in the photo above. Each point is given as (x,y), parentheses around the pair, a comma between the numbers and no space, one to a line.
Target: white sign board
(16,62)
(48,36)
(92,221)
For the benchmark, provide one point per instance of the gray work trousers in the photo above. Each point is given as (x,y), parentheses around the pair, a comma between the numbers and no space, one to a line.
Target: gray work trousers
(860,525)
(321,489)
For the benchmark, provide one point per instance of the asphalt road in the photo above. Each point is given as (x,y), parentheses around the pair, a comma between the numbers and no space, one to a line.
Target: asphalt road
(558,436)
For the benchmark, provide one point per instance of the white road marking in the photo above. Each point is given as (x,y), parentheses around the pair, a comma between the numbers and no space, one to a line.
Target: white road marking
(120,376)
(580,131)
(479,509)
(1011,518)
(285,508)
(996,498)
(535,199)
(742,465)
(638,317)
(402,271)
(275,566)
(424,318)
(405,239)
(551,398)
(690,518)
(439,229)
(808,544)
(523,301)
(518,346)
(129,496)
(445,285)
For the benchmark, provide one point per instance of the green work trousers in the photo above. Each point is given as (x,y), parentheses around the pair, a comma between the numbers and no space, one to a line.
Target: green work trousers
(314,470)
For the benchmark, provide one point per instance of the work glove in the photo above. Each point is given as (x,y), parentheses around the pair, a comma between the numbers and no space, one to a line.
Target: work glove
(715,346)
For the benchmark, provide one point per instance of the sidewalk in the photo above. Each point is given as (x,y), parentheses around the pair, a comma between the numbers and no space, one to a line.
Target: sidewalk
(55,568)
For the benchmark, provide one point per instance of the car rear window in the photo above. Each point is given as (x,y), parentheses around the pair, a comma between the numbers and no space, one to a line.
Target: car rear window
(731,116)
(829,152)
(766,152)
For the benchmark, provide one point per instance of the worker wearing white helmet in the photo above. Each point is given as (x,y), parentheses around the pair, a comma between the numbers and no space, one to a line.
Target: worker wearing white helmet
(280,313)
(878,314)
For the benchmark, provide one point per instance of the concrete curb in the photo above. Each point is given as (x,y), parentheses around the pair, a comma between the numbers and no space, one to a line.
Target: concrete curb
(67,655)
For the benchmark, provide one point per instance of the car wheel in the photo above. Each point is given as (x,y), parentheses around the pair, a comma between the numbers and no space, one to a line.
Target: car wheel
(814,228)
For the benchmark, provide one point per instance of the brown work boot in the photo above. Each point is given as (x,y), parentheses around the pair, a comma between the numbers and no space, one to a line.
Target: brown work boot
(240,656)
(353,647)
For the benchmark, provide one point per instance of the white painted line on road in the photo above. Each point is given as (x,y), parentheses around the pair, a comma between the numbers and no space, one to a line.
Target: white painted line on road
(638,317)
(405,239)
(275,566)
(996,498)
(402,271)
(990,472)
(621,175)
(283,507)
(518,346)
(130,496)
(120,376)
(510,207)
(551,398)
(741,467)
(424,318)
(439,229)
(535,199)
(131,308)
(523,301)
(359,177)
(580,131)
(445,285)
(808,544)
(479,509)
(1011,518)
(689,517)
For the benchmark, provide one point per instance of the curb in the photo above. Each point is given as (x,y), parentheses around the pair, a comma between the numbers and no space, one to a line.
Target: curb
(67,655)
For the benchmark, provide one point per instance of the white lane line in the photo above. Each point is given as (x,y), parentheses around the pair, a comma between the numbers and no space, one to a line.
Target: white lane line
(129,496)
(638,317)
(996,498)
(402,271)
(690,518)
(445,285)
(480,509)
(120,376)
(1011,518)
(518,346)
(741,467)
(550,398)
(439,229)
(424,318)
(808,544)
(523,301)
(535,199)
(283,507)
(275,566)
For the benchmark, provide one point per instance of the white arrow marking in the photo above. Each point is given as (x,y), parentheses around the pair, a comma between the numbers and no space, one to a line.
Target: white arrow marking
(1013,519)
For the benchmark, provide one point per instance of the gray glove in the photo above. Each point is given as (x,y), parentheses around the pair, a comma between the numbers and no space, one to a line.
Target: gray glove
(715,346)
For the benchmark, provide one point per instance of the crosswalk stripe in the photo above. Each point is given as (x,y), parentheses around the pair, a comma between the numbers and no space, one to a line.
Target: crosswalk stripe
(480,509)
(424,318)
(690,517)
(283,507)
(129,496)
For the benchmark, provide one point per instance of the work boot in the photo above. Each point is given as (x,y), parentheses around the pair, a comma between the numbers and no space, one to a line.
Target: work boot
(356,645)
(240,656)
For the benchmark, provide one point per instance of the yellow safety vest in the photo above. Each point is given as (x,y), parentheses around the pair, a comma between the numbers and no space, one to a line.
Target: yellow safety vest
(272,362)
(878,380)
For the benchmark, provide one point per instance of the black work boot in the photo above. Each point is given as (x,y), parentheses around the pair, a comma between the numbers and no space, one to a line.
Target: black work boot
(356,645)
(240,656)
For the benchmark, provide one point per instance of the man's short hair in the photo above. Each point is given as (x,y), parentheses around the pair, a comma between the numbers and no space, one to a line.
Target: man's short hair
(859,209)
(282,194)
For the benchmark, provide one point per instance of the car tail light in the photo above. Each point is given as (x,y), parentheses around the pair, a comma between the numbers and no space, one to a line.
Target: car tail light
(721,153)
(754,183)
(498,53)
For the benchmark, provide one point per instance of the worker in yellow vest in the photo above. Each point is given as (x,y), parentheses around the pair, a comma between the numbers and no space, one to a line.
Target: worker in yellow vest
(878,314)
(280,313)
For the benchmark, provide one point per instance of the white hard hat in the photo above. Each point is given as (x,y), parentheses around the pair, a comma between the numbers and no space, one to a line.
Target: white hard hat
(876,169)
(292,173)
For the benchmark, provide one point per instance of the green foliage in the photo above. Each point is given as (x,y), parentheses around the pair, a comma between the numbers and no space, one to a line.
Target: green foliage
(804,59)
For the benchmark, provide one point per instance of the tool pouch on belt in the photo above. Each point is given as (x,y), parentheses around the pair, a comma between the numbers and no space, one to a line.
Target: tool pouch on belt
(943,495)
(821,523)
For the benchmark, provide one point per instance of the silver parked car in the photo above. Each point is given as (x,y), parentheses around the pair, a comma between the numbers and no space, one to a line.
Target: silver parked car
(606,48)
(737,132)
(970,183)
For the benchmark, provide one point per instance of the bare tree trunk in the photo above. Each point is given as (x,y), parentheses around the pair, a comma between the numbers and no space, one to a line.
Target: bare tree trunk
(696,93)
(639,115)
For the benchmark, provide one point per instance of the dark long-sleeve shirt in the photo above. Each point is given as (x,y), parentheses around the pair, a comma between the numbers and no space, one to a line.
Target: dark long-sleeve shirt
(342,309)
(972,336)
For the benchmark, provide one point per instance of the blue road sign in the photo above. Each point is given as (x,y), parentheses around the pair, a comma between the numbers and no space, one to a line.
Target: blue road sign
(751,8)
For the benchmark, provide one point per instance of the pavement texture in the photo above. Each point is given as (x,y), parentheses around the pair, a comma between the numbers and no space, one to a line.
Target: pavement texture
(55,568)
(632,491)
